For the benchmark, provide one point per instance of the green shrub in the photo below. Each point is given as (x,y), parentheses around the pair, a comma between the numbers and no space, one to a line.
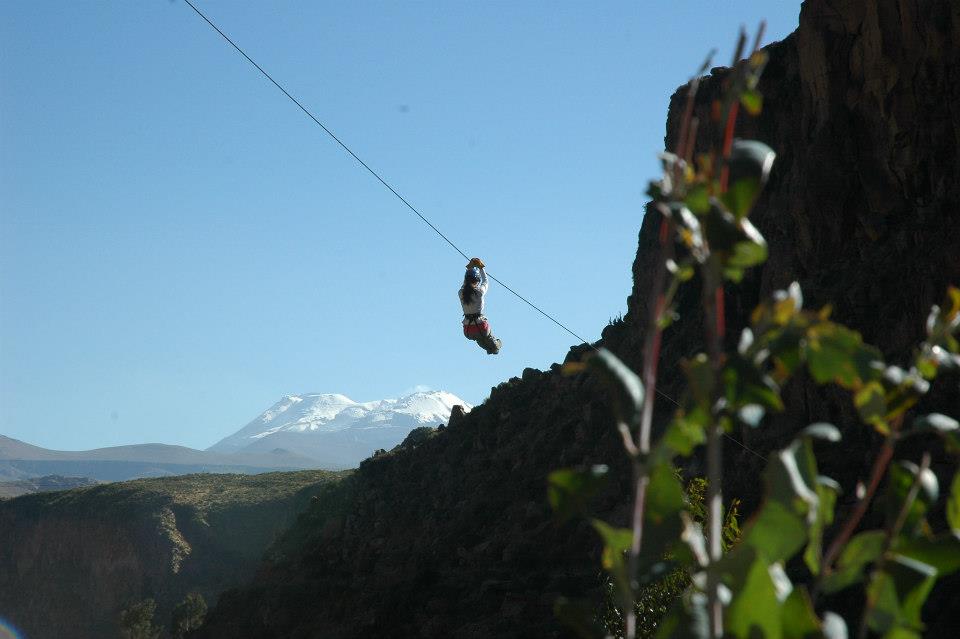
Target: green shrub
(136,621)
(736,585)
(188,614)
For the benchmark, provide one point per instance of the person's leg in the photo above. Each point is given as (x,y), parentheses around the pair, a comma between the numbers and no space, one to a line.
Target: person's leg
(483,343)
(489,343)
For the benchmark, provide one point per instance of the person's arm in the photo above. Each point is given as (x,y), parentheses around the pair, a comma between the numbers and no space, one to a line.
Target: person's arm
(484,285)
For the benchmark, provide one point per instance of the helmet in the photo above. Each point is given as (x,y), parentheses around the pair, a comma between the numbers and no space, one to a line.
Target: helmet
(473,275)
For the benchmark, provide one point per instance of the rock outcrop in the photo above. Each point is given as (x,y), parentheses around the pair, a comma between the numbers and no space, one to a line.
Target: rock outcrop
(862,207)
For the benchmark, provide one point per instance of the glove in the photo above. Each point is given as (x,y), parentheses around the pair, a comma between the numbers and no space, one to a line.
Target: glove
(475,261)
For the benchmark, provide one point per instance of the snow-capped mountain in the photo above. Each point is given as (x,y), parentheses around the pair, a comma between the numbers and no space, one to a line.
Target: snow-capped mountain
(337,431)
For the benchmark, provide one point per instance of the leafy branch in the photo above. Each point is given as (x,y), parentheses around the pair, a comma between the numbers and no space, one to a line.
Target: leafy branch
(742,589)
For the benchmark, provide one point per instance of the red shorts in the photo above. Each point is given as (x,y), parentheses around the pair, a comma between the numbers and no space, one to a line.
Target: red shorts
(476,330)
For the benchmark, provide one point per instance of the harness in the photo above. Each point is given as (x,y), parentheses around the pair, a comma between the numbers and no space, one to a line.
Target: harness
(476,326)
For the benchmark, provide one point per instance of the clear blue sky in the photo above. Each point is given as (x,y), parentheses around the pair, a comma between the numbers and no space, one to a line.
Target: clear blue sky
(180,246)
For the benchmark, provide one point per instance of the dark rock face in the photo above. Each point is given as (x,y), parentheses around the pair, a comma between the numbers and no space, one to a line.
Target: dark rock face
(863,204)
(454,539)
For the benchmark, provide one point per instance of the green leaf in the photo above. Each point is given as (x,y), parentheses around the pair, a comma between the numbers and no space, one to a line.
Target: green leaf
(791,505)
(860,551)
(935,422)
(698,199)
(755,608)
(737,243)
(900,480)
(626,385)
(928,367)
(833,626)
(897,594)
(871,404)
(685,432)
(834,353)
(683,272)
(751,415)
(665,498)
(792,479)
(688,227)
(663,525)
(569,490)
(822,430)
(744,384)
(945,319)
(942,425)
(943,552)
(783,308)
(752,101)
(741,195)
(616,541)
(827,494)
(579,617)
(785,353)
(797,616)
(700,379)
(953,304)
(655,190)
(749,250)
(953,505)
(776,532)
(750,159)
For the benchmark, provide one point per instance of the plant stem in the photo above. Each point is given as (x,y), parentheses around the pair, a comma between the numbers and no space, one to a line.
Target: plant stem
(658,301)
(892,533)
(713,328)
(642,478)
(651,355)
(850,526)
(654,333)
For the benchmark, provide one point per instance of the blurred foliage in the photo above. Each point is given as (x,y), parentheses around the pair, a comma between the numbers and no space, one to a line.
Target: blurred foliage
(662,569)
(652,601)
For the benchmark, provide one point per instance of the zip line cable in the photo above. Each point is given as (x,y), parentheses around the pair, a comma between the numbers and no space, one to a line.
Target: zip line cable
(326,130)
(404,200)
(370,170)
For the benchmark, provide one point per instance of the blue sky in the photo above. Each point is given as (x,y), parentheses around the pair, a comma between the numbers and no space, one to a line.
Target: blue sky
(180,245)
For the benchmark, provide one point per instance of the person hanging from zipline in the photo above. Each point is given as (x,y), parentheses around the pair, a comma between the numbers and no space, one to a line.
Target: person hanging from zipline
(475,325)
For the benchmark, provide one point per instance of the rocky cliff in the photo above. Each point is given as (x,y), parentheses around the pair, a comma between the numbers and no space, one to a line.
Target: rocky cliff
(863,204)
(70,562)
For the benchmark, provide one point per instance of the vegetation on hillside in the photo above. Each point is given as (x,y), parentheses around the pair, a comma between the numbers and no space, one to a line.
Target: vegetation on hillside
(142,557)
(205,494)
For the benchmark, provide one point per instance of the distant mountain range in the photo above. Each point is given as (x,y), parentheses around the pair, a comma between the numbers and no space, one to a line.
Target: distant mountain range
(327,431)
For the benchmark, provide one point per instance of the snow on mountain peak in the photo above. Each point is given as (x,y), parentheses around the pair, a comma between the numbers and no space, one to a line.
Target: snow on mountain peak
(428,404)
(329,413)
